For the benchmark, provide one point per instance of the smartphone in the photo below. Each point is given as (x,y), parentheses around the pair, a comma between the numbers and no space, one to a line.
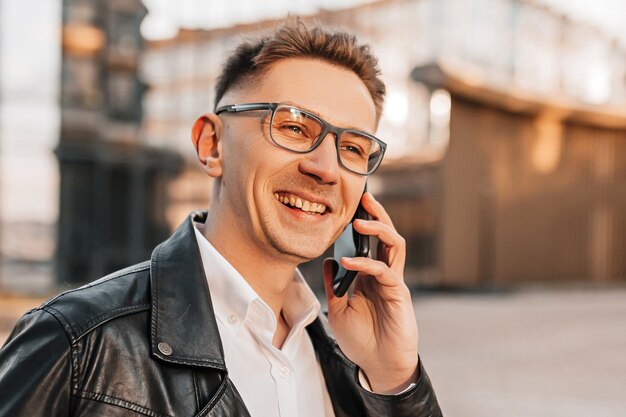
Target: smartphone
(350,243)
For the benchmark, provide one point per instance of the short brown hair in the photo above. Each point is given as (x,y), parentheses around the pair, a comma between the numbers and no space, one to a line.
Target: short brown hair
(295,39)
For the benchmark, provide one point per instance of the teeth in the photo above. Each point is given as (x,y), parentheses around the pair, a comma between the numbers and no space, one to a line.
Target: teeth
(304,205)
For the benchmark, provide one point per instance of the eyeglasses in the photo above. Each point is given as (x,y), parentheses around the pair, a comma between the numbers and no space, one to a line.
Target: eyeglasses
(300,131)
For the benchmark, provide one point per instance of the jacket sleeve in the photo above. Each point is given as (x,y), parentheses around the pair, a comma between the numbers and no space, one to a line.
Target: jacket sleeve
(419,401)
(35,368)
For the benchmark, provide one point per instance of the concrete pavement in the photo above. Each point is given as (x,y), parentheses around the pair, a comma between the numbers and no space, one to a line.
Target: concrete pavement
(546,353)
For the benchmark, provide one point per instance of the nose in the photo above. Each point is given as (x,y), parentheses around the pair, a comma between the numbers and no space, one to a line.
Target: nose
(321,163)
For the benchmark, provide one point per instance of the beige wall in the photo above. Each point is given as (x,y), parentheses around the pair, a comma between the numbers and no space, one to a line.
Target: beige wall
(531,198)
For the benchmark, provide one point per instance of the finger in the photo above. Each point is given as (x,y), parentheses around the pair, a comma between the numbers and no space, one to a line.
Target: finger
(388,235)
(379,270)
(393,249)
(375,209)
(330,268)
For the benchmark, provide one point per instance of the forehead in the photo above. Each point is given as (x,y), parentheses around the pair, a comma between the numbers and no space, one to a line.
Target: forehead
(334,93)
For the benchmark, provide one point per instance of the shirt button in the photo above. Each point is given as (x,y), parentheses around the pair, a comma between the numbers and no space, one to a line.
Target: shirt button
(283,372)
(232,319)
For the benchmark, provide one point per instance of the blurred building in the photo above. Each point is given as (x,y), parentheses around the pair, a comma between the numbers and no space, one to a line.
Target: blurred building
(531,186)
(504,119)
(112,184)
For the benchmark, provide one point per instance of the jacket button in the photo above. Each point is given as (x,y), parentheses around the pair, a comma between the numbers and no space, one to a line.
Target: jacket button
(165,348)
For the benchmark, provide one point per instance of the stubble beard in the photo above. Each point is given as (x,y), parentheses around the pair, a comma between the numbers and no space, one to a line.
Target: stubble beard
(299,247)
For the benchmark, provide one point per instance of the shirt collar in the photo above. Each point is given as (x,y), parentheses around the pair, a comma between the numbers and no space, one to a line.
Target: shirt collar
(235,301)
(301,305)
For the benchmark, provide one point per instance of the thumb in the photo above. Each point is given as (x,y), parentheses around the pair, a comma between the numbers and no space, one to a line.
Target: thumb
(330,268)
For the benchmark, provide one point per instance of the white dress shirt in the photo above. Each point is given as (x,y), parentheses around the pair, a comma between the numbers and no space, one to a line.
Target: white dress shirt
(286,382)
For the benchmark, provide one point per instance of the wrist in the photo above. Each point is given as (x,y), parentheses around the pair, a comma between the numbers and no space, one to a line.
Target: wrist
(388,383)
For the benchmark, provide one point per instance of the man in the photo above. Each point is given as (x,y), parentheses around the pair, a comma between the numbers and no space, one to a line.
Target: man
(219,322)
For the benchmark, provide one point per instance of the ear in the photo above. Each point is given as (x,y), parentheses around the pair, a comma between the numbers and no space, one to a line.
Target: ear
(206,137)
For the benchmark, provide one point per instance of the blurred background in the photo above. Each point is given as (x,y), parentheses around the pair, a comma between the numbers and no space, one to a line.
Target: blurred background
(506,125)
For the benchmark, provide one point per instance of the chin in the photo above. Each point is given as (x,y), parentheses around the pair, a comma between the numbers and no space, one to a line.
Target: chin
(301,250)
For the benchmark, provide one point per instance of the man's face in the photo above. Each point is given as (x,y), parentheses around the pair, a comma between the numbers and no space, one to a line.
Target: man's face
(259,177)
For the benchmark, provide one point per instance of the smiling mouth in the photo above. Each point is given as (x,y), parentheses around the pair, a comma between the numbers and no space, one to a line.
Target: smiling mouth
(300,203)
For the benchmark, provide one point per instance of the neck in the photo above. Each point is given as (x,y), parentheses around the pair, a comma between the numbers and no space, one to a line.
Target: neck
(268,274)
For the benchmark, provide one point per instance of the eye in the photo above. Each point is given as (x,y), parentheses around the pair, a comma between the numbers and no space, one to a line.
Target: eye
(353,149)
(294,129)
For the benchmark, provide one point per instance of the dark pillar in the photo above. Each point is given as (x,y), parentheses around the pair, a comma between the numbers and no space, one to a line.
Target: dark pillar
(113,199)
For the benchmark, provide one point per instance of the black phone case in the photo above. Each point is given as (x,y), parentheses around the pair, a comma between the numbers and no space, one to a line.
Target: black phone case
(350,243)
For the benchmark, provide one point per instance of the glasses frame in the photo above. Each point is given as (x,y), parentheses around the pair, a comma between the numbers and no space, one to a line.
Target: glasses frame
(327,128)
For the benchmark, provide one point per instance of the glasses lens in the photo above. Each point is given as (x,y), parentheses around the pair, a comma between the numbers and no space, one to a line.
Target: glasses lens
(295,129)
(359,153)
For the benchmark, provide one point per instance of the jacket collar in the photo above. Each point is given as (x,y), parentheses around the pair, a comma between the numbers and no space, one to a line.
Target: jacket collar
(183,326)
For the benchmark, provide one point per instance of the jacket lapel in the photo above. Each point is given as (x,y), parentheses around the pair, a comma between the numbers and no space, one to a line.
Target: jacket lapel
(340,374)
(183,326)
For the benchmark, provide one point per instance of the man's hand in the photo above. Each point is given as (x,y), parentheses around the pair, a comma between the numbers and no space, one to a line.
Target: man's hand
(375,326)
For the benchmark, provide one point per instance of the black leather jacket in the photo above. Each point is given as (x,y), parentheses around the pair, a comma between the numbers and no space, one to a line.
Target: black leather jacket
(144,341)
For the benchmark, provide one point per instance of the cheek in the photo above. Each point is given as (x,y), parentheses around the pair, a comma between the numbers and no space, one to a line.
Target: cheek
(246,170)
(247,147)
(354,191)
(236,150)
